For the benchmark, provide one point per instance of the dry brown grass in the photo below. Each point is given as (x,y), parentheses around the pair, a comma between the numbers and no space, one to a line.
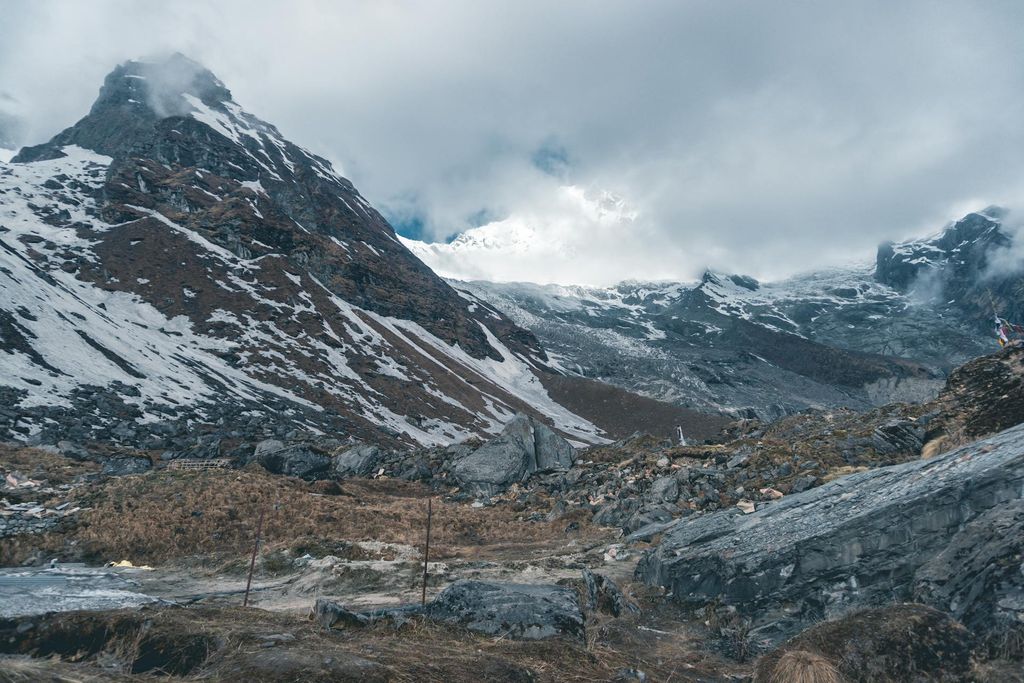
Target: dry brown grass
(801,666)
(165,515)
(41,465)
(837,472)
(25,670)
(419,651)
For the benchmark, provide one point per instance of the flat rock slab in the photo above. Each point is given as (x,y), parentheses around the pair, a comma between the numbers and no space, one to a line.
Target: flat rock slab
(518,611)
(857,541)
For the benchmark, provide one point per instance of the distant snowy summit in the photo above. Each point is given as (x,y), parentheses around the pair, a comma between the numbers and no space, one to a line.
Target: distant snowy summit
(974,266)
(529,246)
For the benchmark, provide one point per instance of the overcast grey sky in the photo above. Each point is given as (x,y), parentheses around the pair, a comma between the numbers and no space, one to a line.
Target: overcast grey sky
(761,137)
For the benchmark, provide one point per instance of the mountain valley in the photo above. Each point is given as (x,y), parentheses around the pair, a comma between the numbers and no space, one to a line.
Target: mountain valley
(855,337)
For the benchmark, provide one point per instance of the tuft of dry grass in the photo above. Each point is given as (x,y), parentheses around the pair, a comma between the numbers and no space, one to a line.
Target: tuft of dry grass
(26,670)
(837,472)
(801,666)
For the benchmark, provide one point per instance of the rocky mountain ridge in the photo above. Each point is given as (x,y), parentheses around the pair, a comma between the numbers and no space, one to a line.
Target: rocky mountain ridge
(172,261)
(973,268)
(857,337)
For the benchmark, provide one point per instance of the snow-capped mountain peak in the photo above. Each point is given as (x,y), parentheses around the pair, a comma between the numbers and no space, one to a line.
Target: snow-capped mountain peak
(173,259)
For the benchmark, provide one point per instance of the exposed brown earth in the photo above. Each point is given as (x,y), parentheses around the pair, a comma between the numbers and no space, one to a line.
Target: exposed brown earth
(620,413)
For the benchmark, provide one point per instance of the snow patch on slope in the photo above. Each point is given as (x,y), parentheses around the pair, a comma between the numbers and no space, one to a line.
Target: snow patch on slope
(70,332)
(81,334)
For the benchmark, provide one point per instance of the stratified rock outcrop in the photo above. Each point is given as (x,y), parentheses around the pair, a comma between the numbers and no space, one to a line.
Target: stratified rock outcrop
(858,541)
(978,576)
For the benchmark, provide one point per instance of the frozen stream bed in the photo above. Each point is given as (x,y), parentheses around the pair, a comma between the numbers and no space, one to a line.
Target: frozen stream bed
(28,591)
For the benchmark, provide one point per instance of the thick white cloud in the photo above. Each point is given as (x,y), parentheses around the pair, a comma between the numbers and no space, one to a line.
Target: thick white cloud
(750,136)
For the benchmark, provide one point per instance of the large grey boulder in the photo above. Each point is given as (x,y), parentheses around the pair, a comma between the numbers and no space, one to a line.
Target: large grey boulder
(524,448)
(358,461)
(268,447)
(508,610)
(295,460)
(72,450)
(330,614)
(664,490)
(119,466)
(604,595)
(858,541)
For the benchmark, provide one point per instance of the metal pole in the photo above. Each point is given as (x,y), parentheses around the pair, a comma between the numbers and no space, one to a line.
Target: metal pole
(426,554)
(252,562)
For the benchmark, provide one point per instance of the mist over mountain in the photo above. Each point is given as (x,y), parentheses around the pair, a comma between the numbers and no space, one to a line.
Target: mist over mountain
(660,341)
(12,127)
(730,343)
(788,148)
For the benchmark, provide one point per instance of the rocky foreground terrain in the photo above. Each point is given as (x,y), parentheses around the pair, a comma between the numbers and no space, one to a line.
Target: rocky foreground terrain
(876,546)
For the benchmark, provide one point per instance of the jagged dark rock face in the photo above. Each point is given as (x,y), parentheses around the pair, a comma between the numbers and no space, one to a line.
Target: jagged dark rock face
(229,278)
(866,539)
(967,270)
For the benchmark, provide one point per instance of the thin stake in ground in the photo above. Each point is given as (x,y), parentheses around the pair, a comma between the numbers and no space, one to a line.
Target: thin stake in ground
(252,562)
(426,554)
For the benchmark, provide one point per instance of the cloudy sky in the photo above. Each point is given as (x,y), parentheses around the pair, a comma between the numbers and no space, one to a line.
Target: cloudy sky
(757,137)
